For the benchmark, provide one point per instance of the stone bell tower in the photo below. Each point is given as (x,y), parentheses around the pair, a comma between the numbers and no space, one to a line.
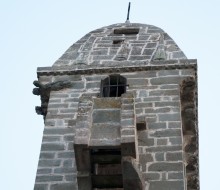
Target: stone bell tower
(120,112)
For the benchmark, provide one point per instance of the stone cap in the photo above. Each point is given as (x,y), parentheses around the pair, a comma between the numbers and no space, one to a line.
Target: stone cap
(121,42)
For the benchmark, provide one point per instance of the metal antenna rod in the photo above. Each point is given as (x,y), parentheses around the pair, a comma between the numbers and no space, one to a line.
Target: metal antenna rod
(128,11)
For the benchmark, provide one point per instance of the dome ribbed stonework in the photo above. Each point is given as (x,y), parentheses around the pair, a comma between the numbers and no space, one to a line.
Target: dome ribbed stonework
(121,42)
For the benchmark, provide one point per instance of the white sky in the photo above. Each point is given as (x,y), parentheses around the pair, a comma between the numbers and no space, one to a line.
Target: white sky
(36,33)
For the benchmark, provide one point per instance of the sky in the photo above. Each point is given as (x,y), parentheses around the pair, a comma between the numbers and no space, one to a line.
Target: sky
(36,33)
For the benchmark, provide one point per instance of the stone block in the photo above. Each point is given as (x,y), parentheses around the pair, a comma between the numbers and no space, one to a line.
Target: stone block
(48,178)
(175,140)
(106,116)
(41,187)
(151,176)
(68,163)
(63,186)
(57,106)
(71,178)
(143,105)
(65,170)
(163,148)
(167,104)
(168,72)
(52,146)
(47,155)
(66,154)
(174,156)
(58,131)
(162,142)
(165,166)
(44,171)
(49,163)
(164,92)
(166,133)
(144,140)
(148,51)
(51,138)
(159,156)
(167,80)
(175,175)
(173,125)
(106,103)
(154,126)
(169,117)
(167,185)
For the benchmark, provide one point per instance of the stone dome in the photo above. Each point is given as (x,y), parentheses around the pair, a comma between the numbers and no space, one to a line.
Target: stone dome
(121,42)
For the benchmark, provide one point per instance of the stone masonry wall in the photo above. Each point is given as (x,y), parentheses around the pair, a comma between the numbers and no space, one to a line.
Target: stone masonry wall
(157,103)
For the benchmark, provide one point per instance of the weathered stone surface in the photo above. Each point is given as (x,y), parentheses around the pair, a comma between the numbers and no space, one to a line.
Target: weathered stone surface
(106,116)
(52,147)
(63,186)
(175,156)
(167,185)
(49,163)
(48,178)
(166,166)
(167,133)
(41,187)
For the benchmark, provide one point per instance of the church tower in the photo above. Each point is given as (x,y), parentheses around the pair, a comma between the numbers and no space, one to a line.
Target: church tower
(120,113)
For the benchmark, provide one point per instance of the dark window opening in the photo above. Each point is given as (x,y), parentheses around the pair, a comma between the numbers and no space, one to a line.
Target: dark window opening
(118,41)
(141,126)
(126,31)
(106,168)
(113,86)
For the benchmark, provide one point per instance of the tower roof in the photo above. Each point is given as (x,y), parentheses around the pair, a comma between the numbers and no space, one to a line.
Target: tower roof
(121,42)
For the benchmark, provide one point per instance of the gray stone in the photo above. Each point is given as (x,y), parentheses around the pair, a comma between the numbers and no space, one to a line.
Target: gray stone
(61,105)
(41,187)
(165,166)
(49,163)
(163,148)
(164,92)
(168,72)
(175,140)
(167,133)
(52,147)
(169,104)
(47,155)
(144,140)
(48,178)
(51,138)
(166,80)
(68,163)
(148,51)
(57,131)
(161,125)
(151,176)
(68,137)
(66,154)
(63,186)
(161,142)
(175,175)
(64,170)
(44,171)
(159,156)
(174,156)
(106,116)
(172,125)
(167,185)
(169,117)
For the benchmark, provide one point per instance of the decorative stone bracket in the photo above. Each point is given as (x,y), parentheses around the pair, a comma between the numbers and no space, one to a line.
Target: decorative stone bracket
(44,91)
